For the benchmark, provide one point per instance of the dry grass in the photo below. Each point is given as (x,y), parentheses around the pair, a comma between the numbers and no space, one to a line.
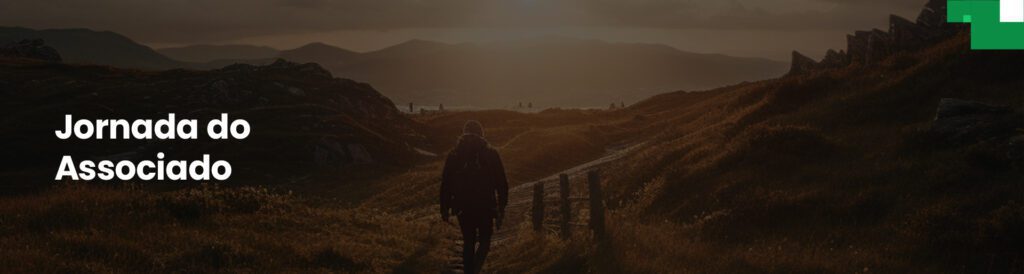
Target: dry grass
(209,229)
(832,172)
(825,173)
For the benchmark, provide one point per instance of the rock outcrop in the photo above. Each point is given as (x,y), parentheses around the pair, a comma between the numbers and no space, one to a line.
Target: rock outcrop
(933,16)
(869,48)
(950,108)
(30,49)
(907,35)
(991,136)
(880,46)
(835,59)
(961,121)
(801,64)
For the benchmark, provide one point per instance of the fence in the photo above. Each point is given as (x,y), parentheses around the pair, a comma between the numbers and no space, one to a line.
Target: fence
(594,203)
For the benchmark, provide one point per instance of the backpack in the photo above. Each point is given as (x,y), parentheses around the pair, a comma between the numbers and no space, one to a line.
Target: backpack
(471,188)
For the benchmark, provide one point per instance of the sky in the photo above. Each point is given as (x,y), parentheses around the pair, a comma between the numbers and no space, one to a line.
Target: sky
(756,28)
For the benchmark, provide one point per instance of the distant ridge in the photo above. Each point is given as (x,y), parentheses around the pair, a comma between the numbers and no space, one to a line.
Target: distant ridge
(547,71)
(94,47)
(209,53)
(317,53)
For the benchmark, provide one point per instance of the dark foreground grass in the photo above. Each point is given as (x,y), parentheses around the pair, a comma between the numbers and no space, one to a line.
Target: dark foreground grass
(79,228)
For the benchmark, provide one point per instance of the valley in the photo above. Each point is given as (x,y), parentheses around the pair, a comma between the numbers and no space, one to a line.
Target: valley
(549,71)
(902,153)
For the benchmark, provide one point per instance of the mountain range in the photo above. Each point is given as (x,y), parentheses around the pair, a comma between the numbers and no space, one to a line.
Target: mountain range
(94,47)
(548,71)
(545,71)
(210,53)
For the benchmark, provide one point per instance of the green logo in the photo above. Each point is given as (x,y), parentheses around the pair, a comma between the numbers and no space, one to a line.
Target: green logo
(995,24)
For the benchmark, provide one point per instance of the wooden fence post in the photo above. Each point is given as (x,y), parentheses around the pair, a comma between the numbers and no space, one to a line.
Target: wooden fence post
(538,206)
(596,203)
(564,204)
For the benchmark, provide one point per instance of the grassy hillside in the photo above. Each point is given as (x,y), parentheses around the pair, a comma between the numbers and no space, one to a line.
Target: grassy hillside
(79,228)
(384,225)
(306,124)
(548,71)
(85,46)
(835,171)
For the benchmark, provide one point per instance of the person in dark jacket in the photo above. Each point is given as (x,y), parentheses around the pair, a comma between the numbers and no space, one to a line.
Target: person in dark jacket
(474,188)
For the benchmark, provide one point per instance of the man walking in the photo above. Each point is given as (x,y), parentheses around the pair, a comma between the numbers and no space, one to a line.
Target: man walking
(474,188)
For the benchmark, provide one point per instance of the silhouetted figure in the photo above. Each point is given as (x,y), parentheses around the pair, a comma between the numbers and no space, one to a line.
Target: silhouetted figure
(440,108)
(520,105)
(622,104)
(410,108)
(530,105)
(474,188)
(612,106)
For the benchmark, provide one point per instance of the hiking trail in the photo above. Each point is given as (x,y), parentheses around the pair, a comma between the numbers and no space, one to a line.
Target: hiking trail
(520,202)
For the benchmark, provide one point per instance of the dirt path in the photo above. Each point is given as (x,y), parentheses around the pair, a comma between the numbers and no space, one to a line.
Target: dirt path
(521,201)
(514,138)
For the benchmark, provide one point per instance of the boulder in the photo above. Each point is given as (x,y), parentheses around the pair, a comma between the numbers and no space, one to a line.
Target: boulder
(801,64)
(952,108)
(31,49)
(962,121)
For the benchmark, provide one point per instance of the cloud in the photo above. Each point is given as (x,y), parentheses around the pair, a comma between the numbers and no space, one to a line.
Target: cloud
(182,21)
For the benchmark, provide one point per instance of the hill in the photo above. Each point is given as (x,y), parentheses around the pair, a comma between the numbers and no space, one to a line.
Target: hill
(320,136)
(306,124)
(548,71)
(895,155)
(84,46)
(319,53)
(902,159)
(891,156)
(212,53)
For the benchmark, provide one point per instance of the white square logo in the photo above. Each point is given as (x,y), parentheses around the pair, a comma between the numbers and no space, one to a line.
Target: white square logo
(1011,11)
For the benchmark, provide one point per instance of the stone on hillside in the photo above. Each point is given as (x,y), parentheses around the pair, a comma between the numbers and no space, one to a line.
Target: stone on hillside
(907,35)
(31,49)
(964,121)
(934,15)
(933,20)
(857,46)
(870,47)
(952,108)
(801,64)
(834,59)
(879,47)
